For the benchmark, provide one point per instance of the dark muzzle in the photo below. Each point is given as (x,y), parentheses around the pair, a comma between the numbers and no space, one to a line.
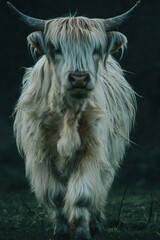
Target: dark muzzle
(79,79)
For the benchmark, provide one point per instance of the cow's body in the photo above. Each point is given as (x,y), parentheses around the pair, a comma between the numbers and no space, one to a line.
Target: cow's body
(73,121)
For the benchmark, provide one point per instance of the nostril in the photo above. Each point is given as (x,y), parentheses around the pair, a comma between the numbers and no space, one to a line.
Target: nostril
(86,78)
(72,79)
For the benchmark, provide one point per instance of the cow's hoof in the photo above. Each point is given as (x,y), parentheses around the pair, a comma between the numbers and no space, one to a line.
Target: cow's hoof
(82,234)
(61,232)
(94,226)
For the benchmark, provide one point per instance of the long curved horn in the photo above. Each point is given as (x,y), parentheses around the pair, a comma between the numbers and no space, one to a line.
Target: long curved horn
(38,24)
(115,22)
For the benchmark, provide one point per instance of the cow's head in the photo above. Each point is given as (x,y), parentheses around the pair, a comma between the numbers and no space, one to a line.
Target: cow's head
(75,46)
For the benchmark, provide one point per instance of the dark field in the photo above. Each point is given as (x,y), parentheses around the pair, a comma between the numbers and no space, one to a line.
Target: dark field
(131,216)
(136,217)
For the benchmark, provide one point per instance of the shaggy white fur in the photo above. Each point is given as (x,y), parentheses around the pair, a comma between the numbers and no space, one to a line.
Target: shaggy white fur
(73,146)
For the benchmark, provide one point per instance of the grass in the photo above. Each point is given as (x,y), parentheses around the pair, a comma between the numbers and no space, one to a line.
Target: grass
(131,215)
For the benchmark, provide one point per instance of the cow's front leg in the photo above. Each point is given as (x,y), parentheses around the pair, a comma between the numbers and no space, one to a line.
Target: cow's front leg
(85,194)
(61,227)
(80,224)
(52,197)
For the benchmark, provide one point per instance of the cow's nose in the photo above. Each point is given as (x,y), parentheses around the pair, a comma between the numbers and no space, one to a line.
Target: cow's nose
(79,79)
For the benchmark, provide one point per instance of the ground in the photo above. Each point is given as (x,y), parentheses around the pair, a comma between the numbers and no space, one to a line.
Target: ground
(130,215)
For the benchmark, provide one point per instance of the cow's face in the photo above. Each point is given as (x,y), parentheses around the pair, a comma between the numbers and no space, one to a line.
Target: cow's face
(75,46)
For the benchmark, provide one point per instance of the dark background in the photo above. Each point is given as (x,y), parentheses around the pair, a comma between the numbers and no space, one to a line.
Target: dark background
(142,162)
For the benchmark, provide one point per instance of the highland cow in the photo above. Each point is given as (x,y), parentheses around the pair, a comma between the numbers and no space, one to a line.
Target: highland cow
(74,117)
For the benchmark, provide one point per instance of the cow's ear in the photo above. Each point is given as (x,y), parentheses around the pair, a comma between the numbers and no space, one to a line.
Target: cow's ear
(36,41)
(116,40)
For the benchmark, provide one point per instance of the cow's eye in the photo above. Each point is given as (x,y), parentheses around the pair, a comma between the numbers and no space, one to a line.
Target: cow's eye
(96,51)
(57,51)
